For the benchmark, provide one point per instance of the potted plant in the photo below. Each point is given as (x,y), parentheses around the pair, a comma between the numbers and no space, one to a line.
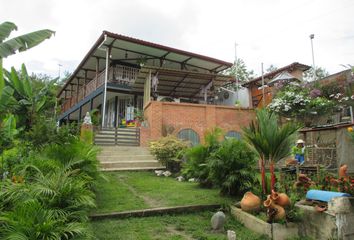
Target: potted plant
(139,117)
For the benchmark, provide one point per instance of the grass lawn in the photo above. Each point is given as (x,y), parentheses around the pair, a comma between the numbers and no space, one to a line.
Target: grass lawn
(168,227)
(139,190)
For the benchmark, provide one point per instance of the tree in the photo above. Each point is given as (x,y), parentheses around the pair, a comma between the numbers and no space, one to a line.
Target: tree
(271,68)
(31,100)
(270,140)
(243,74)
(320,73)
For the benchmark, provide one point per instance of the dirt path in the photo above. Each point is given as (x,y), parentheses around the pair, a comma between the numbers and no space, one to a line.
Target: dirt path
(151,202)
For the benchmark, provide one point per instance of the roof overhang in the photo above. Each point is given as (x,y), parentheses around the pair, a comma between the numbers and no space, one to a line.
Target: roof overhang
(132,51)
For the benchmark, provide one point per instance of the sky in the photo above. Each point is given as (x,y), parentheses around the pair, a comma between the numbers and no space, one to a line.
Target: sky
(269,31)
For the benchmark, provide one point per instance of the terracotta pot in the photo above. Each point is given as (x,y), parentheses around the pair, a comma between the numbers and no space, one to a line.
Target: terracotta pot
(274,211)
(343,171)
(250,202)
(280,199)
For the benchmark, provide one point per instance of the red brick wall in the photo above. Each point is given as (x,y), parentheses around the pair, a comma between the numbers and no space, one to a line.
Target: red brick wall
(198,117)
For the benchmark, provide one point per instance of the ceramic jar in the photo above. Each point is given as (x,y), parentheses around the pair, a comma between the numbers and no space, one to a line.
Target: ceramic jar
(250,202)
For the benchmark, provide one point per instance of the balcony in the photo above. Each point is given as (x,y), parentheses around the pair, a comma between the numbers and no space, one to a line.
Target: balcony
(121,75)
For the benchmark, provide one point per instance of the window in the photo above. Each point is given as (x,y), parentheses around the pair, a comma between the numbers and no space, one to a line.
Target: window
(233,134)
(189,135)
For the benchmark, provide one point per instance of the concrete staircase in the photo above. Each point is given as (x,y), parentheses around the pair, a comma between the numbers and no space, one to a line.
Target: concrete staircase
(118,136)
(116,158)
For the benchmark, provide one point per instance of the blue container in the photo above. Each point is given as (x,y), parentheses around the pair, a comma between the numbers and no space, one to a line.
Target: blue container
(324,196)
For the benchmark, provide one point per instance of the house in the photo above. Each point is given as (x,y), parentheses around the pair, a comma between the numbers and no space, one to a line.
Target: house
(175,89)
(254,86)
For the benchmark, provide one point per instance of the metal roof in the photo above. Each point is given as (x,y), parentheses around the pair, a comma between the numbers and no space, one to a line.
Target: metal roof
(283,76)
(129,50)
(268,76)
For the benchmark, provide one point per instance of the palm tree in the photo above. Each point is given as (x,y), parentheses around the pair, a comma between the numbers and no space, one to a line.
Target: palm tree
(270,140)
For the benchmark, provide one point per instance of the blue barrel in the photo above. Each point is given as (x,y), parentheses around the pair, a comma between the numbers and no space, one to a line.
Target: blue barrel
(324,196)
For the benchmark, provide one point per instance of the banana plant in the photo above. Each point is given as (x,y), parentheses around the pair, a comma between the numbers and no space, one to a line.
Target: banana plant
(30,102)
(6,96)
(19,43)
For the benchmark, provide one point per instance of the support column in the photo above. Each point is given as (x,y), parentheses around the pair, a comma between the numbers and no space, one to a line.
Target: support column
(77,90)
(115,111)
(85,83)
(135,101)
(108,53)
(97,69)
(80,114)
(91,104)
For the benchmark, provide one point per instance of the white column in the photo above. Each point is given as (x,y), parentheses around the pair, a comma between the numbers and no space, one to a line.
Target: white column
(105,87)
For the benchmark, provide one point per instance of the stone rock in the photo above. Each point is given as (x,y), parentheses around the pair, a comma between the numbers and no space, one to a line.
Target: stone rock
(340,205)
(231,235)
(167,173)
(218,221)
(180,178)
(158,173)
(191,180)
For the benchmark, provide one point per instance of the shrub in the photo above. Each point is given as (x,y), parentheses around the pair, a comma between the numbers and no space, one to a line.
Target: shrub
(232,167)
(167,149)
(196,165)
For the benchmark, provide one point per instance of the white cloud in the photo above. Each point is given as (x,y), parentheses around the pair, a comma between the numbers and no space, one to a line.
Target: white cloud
(273,32)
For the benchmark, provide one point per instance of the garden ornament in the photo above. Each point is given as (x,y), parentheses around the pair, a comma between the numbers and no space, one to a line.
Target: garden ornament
(218,221)
(299,151)
(87,118)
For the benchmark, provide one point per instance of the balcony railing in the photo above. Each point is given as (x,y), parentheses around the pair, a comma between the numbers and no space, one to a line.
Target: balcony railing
(118,74)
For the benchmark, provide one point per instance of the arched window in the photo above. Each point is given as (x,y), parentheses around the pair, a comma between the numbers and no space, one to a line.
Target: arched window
(233,134)
(189,135)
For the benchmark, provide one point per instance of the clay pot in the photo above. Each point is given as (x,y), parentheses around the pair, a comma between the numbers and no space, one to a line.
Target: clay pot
(290,162)
(303,178)
(274,211)
(280,199)
(250,202)
(343,171)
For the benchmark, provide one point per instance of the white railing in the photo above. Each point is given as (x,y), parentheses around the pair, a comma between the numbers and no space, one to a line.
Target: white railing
(123,75)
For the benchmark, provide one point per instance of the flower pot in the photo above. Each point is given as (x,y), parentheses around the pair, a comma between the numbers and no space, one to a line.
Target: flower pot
(280,199)
(250,202)
(343,171)
(274,211)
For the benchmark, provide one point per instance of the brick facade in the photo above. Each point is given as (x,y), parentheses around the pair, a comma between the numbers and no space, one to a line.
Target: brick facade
(199,117)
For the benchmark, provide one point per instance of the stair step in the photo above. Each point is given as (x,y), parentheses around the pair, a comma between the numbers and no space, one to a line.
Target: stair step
(132,169)
(117,158)
(130,164)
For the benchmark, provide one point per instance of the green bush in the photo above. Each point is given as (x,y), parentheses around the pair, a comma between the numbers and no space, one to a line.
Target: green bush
(196,165)
(232,167)
(167,150)
(56,182)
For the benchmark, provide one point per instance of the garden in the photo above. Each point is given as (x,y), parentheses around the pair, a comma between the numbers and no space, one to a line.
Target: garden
(51,186)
